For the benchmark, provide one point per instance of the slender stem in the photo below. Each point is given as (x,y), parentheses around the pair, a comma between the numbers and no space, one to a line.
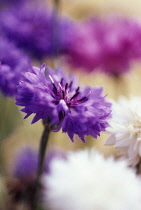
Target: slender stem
(42,151)
(138,168)
(56,2)
(121,87)
(57,6)
(116,78)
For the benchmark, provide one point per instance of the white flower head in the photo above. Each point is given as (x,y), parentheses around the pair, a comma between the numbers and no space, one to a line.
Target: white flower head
(87,181)
(125,128)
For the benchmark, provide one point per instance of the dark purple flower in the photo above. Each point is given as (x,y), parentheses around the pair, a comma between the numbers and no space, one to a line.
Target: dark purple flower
(54,97)
(12,2)
(38,30)
(22,184)
(110,44)
(13,63)
(9,2)
(26,162)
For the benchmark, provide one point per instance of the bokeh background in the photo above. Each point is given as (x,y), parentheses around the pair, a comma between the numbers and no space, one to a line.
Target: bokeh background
(16,132)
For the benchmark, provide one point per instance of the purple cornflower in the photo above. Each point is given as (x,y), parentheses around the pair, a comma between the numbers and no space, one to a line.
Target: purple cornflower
(11,2)
(54,97)
(37,30)
(26,162)
(22,184)
(13,63)
(110,44)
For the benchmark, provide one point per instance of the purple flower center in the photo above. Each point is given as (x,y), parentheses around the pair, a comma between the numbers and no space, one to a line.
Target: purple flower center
(65,94)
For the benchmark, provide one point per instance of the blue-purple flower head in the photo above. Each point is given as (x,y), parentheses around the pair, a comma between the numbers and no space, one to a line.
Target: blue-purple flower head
(9,2)
(13,2)
(13,63)
(60,101)
(110,44)
(36,29)
(25,164)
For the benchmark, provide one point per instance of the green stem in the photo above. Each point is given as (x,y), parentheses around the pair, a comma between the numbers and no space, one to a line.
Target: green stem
(42,152)
(57,5)
(138,168)
(121,86)
(42,149)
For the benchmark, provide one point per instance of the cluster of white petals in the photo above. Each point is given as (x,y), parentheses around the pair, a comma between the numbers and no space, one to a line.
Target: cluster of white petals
(88,181)
(125,128)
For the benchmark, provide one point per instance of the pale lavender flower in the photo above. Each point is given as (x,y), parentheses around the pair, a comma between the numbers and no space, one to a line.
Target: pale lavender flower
(60,101)
(13,63)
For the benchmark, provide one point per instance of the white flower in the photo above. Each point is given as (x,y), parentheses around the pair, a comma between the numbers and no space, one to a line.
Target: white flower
(87,181)
(125,128)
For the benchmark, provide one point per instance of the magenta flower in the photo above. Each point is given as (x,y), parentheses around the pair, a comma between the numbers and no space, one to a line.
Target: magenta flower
(84,51)
(110,44)
(54,97)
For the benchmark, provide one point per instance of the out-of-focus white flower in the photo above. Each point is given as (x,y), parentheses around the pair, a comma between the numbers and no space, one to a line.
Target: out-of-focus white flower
(87,181)
(125,128)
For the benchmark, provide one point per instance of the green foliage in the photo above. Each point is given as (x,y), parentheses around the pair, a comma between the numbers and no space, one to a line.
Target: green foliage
(10,117)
